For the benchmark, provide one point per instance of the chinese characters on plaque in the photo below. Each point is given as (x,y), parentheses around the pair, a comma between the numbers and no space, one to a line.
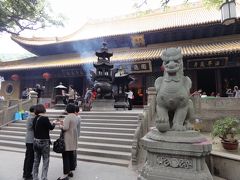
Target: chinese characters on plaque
(138,67)
(138,40)
(206,63)
(72,72)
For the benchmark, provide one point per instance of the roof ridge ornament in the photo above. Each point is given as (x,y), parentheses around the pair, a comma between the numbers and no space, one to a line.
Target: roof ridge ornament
(104,47)
(103,55)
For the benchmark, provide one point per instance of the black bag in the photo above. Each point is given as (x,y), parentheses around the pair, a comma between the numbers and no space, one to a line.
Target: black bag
(59,145)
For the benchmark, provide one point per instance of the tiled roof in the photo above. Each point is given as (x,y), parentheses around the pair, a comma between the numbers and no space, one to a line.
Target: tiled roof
(191,48)
(181,18)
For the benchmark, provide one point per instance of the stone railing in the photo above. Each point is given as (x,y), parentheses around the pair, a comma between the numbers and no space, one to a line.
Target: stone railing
(4,104)
(7,115)
(144,124)
(209,109)
(9,108)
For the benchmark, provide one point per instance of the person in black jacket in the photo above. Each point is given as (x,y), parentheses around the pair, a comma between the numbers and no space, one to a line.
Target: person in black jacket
(41,143)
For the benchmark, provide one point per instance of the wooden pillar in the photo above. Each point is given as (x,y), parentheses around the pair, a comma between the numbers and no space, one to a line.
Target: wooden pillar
(218,81)
(144,89)
(192,74)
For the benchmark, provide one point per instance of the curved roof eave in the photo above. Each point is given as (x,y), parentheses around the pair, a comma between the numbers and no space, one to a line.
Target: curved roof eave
(190,48)
(193,16)
(51,41)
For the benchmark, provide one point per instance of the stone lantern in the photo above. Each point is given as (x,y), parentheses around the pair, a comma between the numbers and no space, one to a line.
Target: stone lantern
(121,79)
(59,97)
(228,12)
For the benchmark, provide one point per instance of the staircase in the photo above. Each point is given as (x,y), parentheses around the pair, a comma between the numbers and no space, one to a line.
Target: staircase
(106,137)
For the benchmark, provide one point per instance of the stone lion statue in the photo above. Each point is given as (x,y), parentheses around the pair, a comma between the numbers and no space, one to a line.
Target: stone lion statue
(173,106)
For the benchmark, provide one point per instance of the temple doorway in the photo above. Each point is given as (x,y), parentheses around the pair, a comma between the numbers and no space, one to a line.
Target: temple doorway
(230,78)
(206,81)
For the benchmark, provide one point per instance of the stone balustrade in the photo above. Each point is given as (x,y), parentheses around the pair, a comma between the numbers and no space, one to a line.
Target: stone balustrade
(209,109)
(146,121)
(10,107)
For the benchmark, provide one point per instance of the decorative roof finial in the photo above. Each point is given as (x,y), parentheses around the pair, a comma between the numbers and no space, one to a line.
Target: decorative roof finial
(104,47)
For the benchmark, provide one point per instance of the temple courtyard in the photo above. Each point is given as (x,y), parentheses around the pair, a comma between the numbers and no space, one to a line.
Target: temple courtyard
(12,167)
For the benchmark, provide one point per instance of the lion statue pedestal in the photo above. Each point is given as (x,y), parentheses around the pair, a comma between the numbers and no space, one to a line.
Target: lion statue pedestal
(174,151)
(175,155)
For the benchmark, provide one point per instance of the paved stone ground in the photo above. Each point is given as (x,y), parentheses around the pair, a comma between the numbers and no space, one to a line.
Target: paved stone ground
(11,165)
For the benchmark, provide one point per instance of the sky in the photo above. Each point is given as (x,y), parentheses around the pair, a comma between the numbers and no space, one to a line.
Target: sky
(76,12)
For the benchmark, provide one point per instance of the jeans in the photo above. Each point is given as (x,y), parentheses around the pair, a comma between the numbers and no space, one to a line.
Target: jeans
(41,149)
(28,161)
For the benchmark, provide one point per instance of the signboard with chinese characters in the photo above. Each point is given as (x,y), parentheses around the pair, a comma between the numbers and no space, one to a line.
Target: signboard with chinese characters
(138,40)
(207,63)
(141,67)
(72,72)
(137,67)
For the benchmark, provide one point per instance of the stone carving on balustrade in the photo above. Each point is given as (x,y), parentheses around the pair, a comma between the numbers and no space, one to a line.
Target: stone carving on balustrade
(174,150)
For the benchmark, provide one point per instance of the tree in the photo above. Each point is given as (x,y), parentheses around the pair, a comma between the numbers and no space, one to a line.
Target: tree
(213,3)
(19,15)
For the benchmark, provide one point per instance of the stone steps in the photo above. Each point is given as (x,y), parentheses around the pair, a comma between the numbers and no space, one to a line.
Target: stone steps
(104,146)
(122,128)
(107,140)
(106,137)
(95,159)
(110,121)
(103,129)
(113,117)
(107,134)
(54,134)
(89,124)
(81,144)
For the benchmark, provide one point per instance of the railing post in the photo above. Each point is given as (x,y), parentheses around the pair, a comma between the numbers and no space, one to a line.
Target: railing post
(146,120)
(151,91)
(3,104)
(197,104)
(33,96)
(138,134)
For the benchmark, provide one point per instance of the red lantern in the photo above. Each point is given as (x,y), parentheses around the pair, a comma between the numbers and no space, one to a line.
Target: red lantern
(15,77)
(162,68)
(46,76)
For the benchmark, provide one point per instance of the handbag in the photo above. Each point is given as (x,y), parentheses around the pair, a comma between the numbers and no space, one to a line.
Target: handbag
(59,145)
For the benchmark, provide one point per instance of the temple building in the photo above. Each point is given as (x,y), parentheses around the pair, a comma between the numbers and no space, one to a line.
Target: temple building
(211,51)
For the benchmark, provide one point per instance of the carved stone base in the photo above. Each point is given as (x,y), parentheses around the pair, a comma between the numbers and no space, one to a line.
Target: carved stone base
(103,104)
(171,160)
(59,102)
(60,106)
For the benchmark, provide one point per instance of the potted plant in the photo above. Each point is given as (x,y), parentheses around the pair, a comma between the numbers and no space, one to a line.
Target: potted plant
(226,129)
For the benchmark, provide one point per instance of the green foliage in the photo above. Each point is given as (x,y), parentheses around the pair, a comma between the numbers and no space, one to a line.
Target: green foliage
(226,128)
(18,15)
(213,3)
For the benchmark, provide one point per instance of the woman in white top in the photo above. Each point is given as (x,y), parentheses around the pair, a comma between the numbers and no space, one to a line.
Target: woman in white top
(130,98)
(71,94)
(236,91)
